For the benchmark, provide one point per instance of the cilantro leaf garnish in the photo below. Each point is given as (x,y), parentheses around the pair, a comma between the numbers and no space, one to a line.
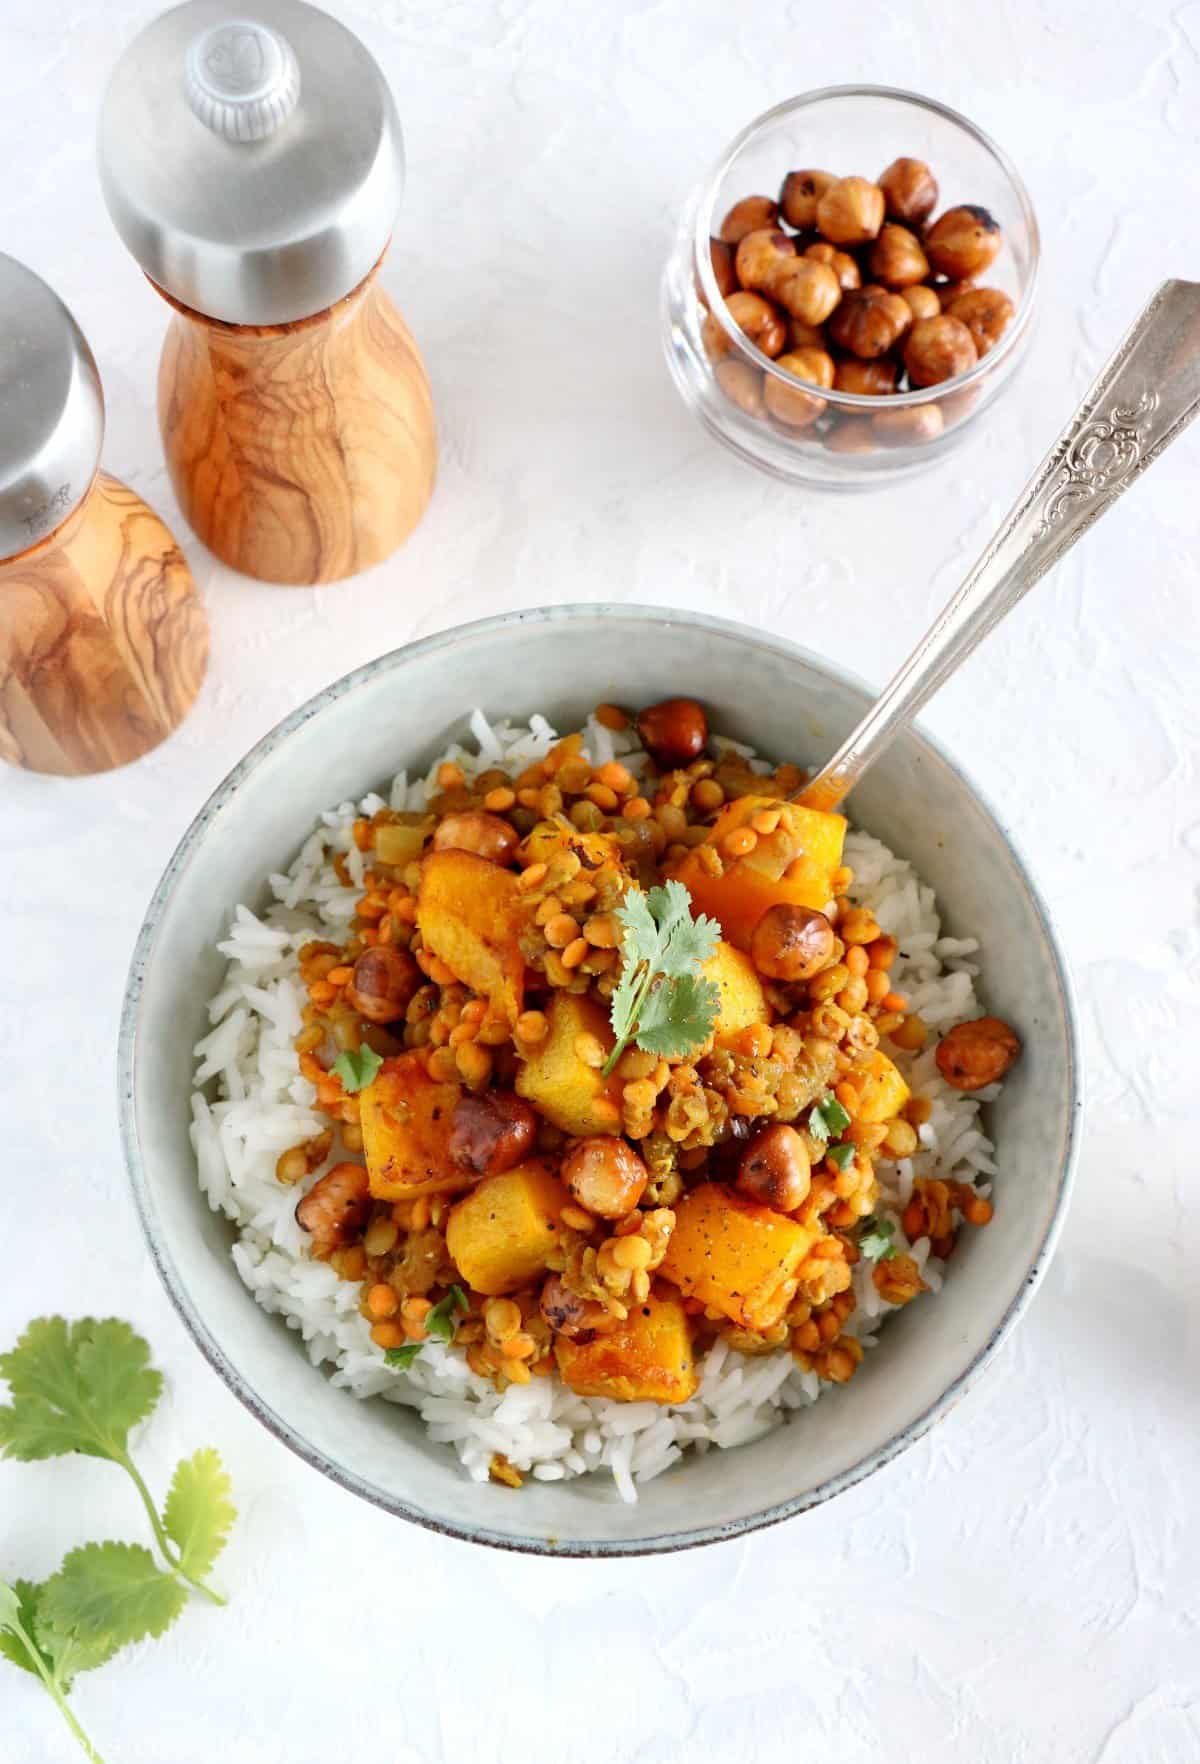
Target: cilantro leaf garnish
(29,1642)
(115,1590)
(76,1387)
(80,1388)
(199,1512)
(356,1070)
(662,1001)
(677,1015)
(828,1119)
(439,1326)
(840,1156)
(875,1239)
(18,1610)
(439,1323)
(55,1659)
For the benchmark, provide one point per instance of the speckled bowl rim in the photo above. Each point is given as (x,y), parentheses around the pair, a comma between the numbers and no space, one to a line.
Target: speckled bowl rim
(127,1061)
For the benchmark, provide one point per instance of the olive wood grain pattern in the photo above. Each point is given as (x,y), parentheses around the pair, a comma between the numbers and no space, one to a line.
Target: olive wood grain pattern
(299,453)
(103,638)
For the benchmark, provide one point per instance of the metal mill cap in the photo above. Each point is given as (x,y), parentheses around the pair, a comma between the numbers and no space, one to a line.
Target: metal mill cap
(51,410)
(251,158)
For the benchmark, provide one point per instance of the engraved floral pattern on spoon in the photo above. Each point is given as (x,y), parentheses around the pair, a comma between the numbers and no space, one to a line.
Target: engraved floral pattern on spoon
(1101,456)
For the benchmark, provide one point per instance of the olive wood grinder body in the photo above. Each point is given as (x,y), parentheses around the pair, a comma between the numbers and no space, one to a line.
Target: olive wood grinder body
(253,166)
(304,452)
(103,638)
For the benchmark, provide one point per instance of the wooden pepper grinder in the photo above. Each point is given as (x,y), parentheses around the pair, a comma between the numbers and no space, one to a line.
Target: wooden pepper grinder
(252,161)
(103,639)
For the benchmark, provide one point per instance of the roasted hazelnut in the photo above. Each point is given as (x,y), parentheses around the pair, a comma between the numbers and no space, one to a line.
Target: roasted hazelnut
(567,1313)
(788,404)
(791,943)
(896,258)
(384,981)
(954,406)
(720,255)
(808,291)
(909,190)
(850,211)
(850,435)
(963,241)
(673,732)
(908,425)
(335,1208)
(922,302)
(487,835)
(978,1053)
(840,262)
(869,379)
(938,349)
(802,336)
(757,318)
(747,216)
(774,1168)
(759,255)
(801,192)
(869,322)
(715,338)
(814,366)
(742,384)
(605,1175)
(491,1130)
(987,314)
(948,292)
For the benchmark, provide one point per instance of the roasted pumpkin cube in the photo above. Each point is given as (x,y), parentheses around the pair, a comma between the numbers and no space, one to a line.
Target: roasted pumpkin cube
(500,1235)
(743,1000)
(406,1118)
(646,1359)
(882,1090)
(469,913)
(741,1258)
(561,1085)
(806,844)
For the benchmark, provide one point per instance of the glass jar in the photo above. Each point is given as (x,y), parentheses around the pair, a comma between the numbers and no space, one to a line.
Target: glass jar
(845,130)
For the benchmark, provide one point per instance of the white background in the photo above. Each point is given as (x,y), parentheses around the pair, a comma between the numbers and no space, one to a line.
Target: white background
(1022,1585)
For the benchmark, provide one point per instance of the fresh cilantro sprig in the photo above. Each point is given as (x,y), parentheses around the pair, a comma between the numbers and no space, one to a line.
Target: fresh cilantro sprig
(356,1070)
(80,1388)
(662,1000)
(875,1239)
(841,1156)
(828,1119)
(439,1324)
(55,1659)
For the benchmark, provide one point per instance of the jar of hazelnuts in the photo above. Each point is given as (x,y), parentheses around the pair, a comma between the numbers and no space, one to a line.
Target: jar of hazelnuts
(852,287)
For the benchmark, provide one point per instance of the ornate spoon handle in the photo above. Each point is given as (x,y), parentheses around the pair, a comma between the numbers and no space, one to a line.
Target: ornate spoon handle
(1147,395)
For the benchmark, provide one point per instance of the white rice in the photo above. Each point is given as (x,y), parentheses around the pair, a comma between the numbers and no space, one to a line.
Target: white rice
(250,1103)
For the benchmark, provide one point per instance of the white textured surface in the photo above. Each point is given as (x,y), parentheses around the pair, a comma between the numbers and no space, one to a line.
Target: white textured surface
(1022,1585)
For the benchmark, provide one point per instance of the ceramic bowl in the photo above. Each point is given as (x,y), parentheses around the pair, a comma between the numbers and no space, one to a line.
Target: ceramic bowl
(402,709)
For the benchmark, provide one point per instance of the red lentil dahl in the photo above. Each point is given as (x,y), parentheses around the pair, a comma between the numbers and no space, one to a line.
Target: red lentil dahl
(608,1226)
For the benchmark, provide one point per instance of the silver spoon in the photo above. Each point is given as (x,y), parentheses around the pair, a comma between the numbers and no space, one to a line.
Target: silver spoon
(1148,394)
